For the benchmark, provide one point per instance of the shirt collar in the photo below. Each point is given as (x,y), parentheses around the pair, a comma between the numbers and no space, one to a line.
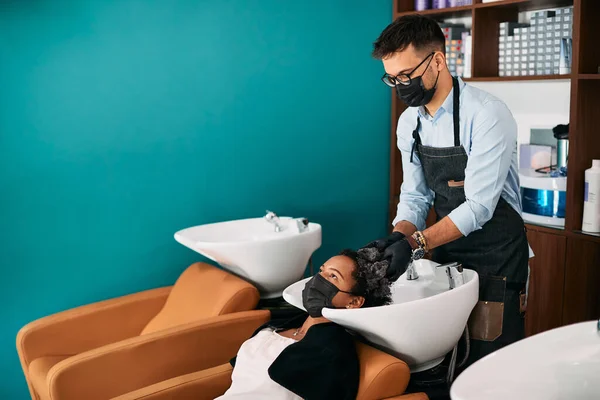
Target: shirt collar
(447,105)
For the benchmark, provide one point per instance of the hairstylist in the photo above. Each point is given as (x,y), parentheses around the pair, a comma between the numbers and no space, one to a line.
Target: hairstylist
(459,153)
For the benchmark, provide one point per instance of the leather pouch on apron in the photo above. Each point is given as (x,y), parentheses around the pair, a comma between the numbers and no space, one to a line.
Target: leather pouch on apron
(486,320)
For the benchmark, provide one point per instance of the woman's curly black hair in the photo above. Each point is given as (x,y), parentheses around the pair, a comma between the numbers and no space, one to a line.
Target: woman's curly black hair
(369,273)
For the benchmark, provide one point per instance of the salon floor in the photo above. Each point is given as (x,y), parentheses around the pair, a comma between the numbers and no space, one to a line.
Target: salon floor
(434,393)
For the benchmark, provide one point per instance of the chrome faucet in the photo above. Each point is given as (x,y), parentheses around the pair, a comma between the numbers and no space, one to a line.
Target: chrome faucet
(272,218)
(302,224)
(411,272)
(454,271)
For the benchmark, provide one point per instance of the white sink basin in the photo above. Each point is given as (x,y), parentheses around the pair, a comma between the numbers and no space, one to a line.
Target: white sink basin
(562,363)
(423,324)
(251,249)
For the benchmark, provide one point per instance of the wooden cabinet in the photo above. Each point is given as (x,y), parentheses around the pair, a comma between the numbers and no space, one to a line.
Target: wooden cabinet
(564,284)
(546,282)
(582,281)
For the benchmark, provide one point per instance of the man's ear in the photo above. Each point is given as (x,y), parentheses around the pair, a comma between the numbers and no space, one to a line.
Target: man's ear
(356,302)
(440,60)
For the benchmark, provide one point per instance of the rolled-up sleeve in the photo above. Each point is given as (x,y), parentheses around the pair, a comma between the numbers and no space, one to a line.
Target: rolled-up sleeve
(415,195)
(493,141)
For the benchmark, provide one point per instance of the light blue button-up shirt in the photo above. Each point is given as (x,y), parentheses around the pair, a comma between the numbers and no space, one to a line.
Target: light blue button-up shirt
(488,132)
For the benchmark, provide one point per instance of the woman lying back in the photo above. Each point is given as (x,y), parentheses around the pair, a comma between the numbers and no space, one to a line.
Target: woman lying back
(310,357)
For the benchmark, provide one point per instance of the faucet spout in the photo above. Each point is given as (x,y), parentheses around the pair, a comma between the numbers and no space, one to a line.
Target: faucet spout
(272,218)
(454,271)
(411,272)
(302,224)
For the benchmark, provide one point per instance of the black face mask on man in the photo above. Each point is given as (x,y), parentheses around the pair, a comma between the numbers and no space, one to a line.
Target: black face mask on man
(318,293)
(414,94)
(412,91)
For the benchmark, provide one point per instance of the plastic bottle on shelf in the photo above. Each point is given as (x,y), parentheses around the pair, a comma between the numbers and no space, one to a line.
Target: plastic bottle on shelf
(591,199)
(421,5)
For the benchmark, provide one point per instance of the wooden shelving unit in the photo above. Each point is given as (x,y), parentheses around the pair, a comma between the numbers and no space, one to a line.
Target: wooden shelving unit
(485,19)
(588,76)
(565,274)
(524,5)
(404,7)
(518,78)
(443,12)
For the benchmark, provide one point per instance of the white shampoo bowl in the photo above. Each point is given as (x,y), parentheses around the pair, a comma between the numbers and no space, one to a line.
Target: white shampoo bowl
(563,363)
(251,249)
(423,324)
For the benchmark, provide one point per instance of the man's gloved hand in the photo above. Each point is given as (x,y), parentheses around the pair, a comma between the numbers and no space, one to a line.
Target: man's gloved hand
(399,255)
(382,244)
(397,251)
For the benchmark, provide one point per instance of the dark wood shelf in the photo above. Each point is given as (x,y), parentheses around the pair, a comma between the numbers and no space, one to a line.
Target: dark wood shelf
(517,78)
(577,234)
(520,5)
(545,229)
(526,5)
(441,12)
(588,76)
(502,3)
(594,237)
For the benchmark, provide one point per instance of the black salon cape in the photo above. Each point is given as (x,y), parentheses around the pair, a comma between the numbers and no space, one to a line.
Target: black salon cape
(323,365)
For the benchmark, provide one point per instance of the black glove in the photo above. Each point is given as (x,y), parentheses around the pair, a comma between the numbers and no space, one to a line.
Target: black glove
(382,244)
(399,255)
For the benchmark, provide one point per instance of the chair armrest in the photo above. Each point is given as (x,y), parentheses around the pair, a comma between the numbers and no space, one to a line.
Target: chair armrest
(411,396)
(87,327)
(202,385)
(134,363)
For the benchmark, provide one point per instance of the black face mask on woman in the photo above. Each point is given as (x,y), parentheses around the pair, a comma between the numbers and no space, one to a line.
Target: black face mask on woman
(317,294)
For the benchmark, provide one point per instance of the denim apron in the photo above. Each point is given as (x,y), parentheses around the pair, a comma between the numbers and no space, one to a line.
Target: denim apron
(499,252)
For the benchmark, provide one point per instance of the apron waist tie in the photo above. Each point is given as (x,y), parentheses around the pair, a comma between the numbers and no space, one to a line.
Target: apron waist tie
(416,139)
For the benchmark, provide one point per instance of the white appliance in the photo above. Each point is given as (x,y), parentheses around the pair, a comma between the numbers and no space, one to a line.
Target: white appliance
(543,198)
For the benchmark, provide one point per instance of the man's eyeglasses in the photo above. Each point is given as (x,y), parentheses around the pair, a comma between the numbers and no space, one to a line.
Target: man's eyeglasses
(404,79)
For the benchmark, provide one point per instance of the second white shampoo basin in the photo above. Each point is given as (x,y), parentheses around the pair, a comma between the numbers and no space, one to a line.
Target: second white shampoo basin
(423,324)
(252,249)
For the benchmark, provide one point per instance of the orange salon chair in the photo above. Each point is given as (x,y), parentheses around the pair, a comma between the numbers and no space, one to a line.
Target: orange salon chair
(105,349)
(382,377)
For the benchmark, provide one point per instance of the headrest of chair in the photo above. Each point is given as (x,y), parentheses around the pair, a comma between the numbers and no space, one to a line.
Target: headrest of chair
(381,375)
(203,291)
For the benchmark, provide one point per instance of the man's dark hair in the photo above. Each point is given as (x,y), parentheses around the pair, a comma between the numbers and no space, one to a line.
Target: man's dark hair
(369,273)
(423,33)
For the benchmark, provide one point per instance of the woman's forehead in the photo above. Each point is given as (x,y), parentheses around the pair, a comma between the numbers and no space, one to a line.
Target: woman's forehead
(341,263)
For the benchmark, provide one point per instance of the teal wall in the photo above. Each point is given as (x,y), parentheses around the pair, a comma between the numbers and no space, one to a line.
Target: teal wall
(124,121)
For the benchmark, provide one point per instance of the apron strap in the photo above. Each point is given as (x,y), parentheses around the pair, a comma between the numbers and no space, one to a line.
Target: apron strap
(416,137)
(456,111)
(455,116)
